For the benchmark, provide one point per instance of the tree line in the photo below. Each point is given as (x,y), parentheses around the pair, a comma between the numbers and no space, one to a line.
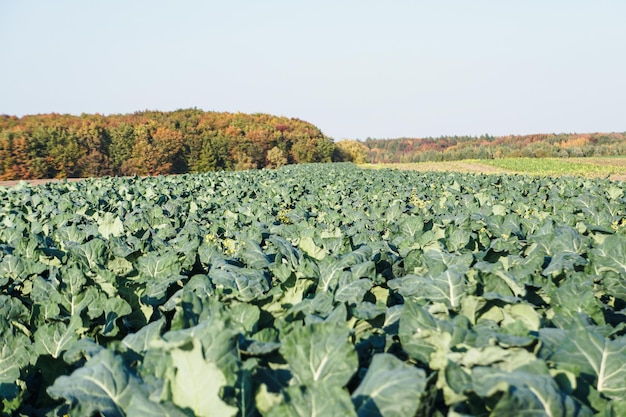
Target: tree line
(448,148)
(154,143)
(192,140)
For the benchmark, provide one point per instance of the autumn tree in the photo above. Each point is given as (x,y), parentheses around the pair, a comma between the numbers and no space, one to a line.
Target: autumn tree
(9,166)
(153,142)
(154,151)
(94,139)
(214,155)
(122,141)
(350,151)
(276,158)
(64,153)
(243,161)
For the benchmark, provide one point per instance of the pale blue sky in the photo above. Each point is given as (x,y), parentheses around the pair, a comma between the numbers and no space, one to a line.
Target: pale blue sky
(355,69)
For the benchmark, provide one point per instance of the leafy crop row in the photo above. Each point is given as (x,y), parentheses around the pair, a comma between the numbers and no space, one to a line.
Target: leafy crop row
(314,290)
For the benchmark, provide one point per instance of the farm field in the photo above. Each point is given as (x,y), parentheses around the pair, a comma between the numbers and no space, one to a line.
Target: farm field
(318,290)
(611,167)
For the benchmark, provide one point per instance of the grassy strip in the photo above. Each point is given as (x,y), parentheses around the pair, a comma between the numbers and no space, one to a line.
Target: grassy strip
(614,167)
(466,165)
(558,166)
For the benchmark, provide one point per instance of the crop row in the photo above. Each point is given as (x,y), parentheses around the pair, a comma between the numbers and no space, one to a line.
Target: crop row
(321,290)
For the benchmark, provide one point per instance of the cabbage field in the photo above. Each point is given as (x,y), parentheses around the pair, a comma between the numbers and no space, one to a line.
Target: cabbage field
(314,290)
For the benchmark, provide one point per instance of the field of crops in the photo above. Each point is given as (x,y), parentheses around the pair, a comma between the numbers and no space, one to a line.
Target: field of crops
(589,167)
(314,290)
(602,167)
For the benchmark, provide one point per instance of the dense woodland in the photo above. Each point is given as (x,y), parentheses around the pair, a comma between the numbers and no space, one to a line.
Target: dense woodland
(191,140)
(488,147)
(154,143)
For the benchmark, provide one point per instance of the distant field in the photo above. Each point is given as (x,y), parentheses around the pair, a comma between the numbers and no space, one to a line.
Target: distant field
(613,167)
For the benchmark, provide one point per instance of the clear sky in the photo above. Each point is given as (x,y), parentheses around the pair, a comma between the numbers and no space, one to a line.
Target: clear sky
(354,68)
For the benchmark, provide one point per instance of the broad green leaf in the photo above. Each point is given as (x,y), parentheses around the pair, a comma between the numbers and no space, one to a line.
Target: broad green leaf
(156,289)
(368,311)
(197,382)
(245,388)
(319,400)
(120,266)
(471,307)
(12,310)
(139,342)
(577,295)
(91,254)
(83,348)
(281,271)
(103,385)
(292,255)
(11,268)
(600,361)
(522,313)
(437,261)
(390,388)
(330,272)
(614,192)
(458,240)
(114,308)
(411,226)
(107,281)
(110,225)
(54,338)
(309,247)
(524,392)
(454,382)
(254,256)
(246,284)
(351,290)
(507,359)
(564,262)
(365,269)
(288,294)
(247,315)
(209,253)
(158,266)
(141,406)
(614,285)
(615,409)
(320,353)
(158,271)
(609,256)
(448,287)
(200,285)
(417,331)
(497,280)
(14,354)
(499,210)
(217,334)
(75,296)
(428,339)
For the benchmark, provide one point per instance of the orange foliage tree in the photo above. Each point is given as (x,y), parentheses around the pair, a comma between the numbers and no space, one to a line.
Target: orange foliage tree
(153,143)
